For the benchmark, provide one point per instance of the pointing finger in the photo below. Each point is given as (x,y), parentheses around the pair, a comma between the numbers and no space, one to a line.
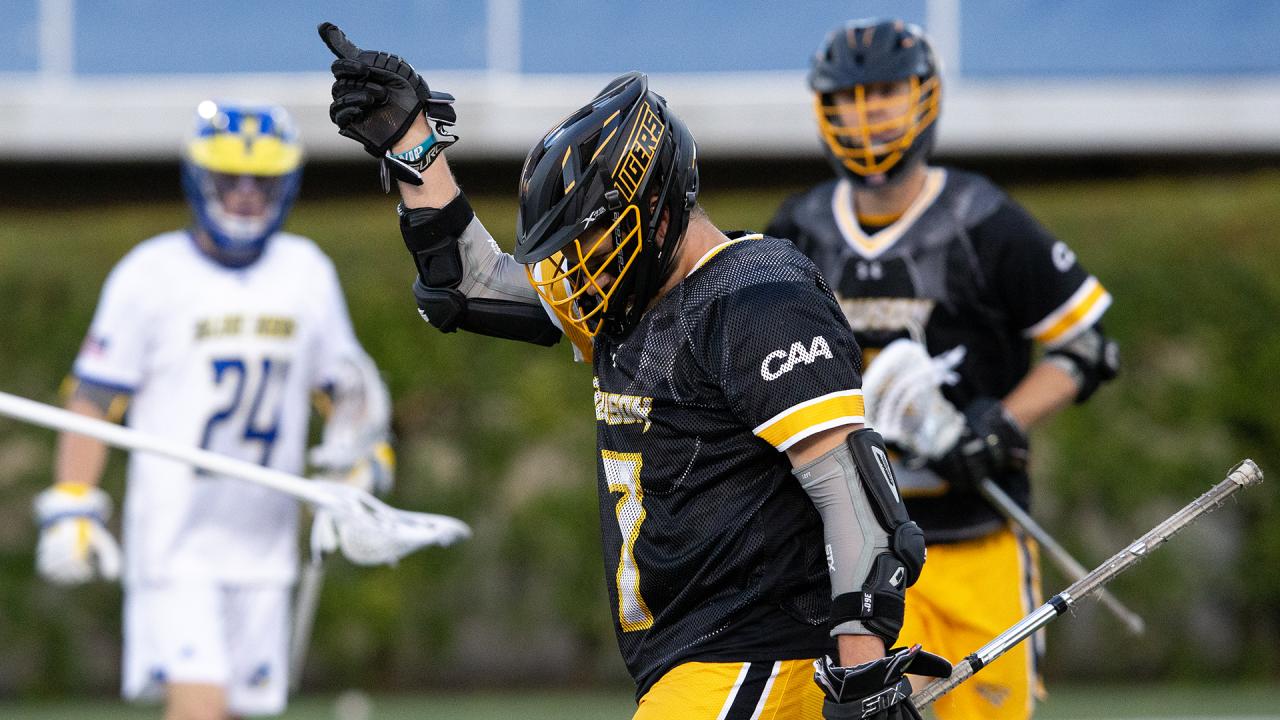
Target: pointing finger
(337,40)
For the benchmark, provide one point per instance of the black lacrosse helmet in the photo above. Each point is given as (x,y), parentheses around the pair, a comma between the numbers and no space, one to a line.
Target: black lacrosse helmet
(853,57)
(606,173)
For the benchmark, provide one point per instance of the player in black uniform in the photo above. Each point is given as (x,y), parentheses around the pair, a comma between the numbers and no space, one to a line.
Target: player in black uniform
(719,365)
(945,259)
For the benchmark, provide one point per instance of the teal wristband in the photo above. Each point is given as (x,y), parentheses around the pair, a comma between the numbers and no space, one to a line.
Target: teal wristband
(415,155)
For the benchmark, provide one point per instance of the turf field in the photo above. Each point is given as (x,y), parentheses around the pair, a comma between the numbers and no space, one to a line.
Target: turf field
(502,438)
(1248,702)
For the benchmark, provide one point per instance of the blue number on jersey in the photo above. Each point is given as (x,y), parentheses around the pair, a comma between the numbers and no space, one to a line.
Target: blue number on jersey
(226,367)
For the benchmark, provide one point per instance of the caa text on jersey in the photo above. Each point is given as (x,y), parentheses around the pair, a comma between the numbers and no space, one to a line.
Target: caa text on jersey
(779,362)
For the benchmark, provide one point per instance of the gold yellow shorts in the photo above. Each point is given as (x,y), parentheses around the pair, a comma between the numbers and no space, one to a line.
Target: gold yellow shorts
(968,593)
(780,690)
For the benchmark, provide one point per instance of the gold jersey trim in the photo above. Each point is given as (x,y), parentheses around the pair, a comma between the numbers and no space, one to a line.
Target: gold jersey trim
(873,246)
(708,255)
(844,407)
(1080,311)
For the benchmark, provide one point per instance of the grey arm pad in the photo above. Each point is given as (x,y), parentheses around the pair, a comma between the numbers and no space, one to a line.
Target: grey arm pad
(488,272)
(853,534)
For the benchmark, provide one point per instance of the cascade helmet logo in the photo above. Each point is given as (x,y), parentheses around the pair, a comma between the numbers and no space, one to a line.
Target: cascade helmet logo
(780,362)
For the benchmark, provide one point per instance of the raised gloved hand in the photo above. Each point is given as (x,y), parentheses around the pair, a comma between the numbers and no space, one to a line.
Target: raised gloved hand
(876,690)
(75,545)
(991,446)
(377,96)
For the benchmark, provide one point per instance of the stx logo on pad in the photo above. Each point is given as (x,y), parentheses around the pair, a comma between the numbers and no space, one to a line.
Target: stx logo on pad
(780,362)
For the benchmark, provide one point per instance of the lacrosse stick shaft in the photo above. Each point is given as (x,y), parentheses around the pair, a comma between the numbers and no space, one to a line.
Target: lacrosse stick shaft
(123,437)
(1062,559)
(310,583)
(1243,475)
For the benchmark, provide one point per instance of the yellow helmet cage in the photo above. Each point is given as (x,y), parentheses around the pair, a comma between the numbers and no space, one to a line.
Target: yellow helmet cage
(873,148)
(570,281)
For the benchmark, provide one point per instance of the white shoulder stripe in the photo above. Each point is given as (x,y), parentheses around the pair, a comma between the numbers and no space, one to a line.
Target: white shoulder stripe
(1080,311)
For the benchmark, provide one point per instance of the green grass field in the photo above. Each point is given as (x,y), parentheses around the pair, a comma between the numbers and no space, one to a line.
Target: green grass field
(501,436)
(1247,702)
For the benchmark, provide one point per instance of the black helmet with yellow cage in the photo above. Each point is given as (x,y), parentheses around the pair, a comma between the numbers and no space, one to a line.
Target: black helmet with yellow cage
(593,195)
(876,94)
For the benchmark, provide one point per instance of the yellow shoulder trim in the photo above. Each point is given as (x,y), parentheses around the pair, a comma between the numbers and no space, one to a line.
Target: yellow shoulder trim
(799,421)
(1080,311)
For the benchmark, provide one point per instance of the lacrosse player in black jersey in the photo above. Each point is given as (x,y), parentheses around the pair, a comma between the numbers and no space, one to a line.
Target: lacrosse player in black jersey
(753,531)
(947,284)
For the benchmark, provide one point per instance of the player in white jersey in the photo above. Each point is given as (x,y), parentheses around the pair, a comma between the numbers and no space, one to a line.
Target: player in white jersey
(214,337)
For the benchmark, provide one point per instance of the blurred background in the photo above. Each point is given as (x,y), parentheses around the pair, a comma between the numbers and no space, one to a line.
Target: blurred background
(1145,133)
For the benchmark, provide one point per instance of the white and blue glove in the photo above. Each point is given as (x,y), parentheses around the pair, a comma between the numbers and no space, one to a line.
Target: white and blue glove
(75,545)
(374,473)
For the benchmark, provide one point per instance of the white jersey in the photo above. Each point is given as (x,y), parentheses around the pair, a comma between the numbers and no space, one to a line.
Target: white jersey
(224,360)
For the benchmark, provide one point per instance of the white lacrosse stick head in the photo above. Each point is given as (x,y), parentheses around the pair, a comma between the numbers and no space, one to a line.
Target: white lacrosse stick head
(370,532)
(902,391)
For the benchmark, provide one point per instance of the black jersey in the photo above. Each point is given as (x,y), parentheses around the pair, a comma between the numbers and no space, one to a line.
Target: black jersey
(712,550)
(964,267)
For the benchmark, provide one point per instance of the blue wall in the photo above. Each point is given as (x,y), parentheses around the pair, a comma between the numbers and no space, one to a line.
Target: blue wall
(687,35)
(1120,37)
(999,38)
(21,43)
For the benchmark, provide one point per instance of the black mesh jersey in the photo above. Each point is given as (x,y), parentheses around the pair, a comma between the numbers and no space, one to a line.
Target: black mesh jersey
(712,550)
(965,267)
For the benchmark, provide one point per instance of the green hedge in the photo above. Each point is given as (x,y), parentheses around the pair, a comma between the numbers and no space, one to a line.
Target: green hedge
(501,435)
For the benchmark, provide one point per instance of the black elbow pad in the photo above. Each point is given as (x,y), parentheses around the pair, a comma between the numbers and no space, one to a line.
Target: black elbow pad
(1091,358)
(431,235)
(448,310)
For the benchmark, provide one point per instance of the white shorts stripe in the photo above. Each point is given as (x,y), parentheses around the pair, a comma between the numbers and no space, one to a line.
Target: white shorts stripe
(737,685)
(764,696)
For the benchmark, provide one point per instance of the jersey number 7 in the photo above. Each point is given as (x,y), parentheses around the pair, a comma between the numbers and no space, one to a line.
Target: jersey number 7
(622,470)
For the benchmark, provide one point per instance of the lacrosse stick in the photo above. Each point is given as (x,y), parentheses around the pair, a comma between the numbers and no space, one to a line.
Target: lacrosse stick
(310,583)
(1064,561)
(371,532)
(1243,475)
(903,392)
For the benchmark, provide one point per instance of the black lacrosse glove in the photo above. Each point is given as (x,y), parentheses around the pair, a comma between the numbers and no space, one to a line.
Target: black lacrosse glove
(992,446)
(876,690)
(377,95)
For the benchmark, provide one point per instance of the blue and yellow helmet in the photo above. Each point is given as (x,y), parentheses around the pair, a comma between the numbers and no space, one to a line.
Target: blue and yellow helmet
(241,168)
